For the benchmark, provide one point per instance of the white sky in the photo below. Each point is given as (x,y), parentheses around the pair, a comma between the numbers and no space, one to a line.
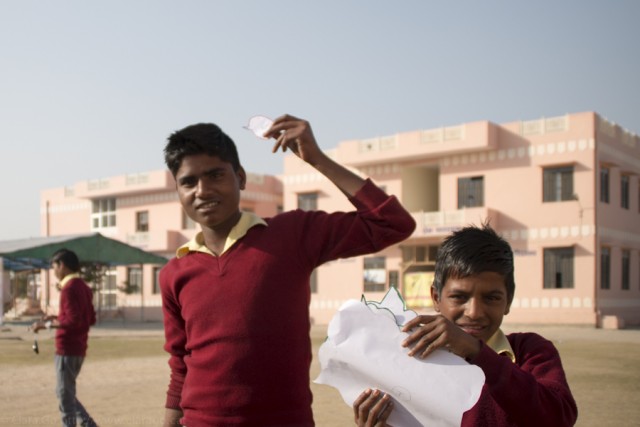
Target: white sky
(92,89)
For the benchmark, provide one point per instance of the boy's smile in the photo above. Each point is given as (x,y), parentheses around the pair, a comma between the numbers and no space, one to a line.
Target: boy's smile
(476,303)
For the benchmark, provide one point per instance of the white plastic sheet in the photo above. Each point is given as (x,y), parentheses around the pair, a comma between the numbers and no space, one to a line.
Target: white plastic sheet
(363,350)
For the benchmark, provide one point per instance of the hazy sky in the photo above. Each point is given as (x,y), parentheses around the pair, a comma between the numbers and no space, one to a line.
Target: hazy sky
(92,89)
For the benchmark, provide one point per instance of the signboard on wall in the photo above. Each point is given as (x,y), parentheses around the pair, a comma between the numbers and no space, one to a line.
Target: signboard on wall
(417,289)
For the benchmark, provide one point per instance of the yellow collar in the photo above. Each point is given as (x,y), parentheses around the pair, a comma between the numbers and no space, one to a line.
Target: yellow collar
(247,220)
(66,279)
(500,344)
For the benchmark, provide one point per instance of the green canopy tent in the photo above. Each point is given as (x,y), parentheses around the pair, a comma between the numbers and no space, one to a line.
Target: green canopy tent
(91,248)
(94,248)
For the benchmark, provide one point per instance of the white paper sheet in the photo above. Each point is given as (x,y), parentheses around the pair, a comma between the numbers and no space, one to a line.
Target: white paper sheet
(259,125)
(363,350)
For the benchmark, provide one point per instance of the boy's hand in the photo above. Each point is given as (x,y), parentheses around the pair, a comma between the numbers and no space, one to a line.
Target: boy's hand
(296,135)
(431,332)
(372,408)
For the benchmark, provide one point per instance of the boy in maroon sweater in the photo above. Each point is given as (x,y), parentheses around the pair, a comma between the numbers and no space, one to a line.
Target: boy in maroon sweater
(75,315)
(472,290)
(235,298)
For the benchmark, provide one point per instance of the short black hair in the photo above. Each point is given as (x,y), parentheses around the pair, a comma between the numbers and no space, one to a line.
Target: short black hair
(201,138)
(68,258)
(473,250)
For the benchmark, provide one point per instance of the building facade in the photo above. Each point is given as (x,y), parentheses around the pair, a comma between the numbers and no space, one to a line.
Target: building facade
(141,210)
(564,191)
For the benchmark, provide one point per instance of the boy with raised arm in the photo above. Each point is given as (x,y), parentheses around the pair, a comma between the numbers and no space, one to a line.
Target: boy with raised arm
(236,297)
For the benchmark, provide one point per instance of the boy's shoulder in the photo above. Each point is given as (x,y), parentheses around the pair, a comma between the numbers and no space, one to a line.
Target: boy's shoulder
(530,343)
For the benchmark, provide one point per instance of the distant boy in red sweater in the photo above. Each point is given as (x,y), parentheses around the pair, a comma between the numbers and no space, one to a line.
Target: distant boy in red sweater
(75,316)
(235,299)
(472,290)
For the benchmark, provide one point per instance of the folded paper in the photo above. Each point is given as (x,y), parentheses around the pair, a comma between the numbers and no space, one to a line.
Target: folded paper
(363,350)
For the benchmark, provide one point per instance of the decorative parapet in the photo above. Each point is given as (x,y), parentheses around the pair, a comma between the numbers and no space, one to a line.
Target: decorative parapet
(434,136)
(543,126)
(611,129)
(137,178)
(98,184)
(378,144)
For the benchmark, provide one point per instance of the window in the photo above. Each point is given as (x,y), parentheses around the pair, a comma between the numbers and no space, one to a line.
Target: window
(605,268)
(103,213)
(313,282)
(419,254)
(604,184)
(142,221)
(558,268)
(374,274)
(156,280)
(626,269)
(624,191)
(470,192)
(108,292)
(187,223)
(557,184)
(308,201)
(134,280)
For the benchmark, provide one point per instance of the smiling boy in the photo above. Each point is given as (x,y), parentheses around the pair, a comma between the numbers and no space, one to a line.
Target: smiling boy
(472,290)
(236,297)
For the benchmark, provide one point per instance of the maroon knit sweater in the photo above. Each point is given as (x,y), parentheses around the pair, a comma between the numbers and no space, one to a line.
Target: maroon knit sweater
(532,392)
(237,325)
(75,316)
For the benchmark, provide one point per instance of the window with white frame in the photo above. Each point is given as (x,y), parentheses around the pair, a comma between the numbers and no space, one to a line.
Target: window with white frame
(470,192)
(142,221)
(109,290)
(557,184)
(558,268)
(308,201)
(103,213)
(134,279)
(375,274)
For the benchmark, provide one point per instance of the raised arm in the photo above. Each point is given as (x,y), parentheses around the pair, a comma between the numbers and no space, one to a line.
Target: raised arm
(292,133)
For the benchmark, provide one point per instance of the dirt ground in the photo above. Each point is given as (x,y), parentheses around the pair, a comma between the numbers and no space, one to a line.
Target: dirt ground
(124,379)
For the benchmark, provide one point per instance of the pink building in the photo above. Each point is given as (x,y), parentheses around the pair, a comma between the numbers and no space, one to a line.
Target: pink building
(141,210)
(563,191)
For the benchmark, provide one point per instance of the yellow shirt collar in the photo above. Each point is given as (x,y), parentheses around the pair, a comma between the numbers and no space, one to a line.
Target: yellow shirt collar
(247,220)
(66,279)
(500,344)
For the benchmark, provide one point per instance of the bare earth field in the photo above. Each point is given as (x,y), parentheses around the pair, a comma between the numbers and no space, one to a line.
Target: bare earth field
(124,378)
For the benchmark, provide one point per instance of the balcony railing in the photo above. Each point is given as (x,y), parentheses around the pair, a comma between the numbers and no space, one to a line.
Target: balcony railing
(444,222)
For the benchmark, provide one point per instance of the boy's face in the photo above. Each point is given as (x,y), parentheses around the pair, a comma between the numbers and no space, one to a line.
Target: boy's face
(209,190)
(475,303)
(58,270)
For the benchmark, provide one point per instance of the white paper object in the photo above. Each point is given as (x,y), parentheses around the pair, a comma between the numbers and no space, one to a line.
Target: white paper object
(363,350)
(259,125)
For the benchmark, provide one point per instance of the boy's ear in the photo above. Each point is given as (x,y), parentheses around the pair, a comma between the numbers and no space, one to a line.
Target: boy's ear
(242,176)
(435,298)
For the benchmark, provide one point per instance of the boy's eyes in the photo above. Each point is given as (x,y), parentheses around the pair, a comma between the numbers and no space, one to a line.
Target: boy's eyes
(193,181)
